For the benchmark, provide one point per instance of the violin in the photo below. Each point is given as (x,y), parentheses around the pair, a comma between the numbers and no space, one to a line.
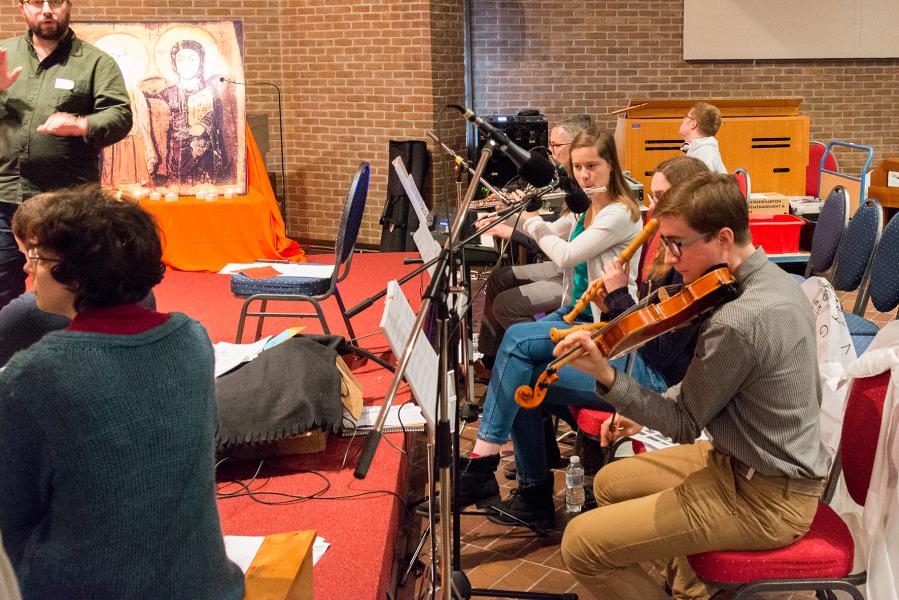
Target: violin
(635,328)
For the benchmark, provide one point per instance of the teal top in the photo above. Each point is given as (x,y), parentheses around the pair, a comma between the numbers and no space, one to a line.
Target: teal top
(581,279)
(76,78)
(107,478)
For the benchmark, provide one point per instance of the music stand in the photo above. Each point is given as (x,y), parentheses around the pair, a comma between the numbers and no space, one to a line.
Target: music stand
(453,581)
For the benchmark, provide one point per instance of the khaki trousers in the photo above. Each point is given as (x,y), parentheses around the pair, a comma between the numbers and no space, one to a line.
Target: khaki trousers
(664,505)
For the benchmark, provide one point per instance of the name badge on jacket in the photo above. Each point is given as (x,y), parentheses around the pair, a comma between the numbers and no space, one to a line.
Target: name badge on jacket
(64,84)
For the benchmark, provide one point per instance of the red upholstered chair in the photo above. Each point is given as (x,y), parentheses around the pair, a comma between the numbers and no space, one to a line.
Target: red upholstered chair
(822,560)
(742,177)
(813,171)
(587,446)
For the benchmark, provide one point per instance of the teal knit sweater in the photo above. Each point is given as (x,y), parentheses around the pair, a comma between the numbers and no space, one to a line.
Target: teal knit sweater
(107,488)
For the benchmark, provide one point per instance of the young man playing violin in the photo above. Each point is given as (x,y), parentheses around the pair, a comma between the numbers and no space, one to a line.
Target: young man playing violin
(752,384)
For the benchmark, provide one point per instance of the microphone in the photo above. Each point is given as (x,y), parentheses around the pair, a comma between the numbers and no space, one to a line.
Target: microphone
(578,201)
(532,167)
(284,204)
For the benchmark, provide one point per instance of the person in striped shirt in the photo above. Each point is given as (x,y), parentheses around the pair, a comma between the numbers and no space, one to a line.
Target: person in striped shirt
(752,385)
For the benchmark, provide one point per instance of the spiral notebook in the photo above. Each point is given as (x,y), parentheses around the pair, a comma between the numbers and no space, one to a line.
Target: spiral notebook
(406,417)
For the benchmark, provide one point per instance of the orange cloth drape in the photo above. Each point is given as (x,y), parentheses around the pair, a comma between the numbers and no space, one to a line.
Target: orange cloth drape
(205,236)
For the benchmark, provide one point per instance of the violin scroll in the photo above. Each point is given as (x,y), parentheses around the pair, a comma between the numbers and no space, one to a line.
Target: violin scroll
(526,397)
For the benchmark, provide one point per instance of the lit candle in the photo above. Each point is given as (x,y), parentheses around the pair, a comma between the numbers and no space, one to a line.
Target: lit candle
(229,193)
(155,196)
(171,197)
(210,196)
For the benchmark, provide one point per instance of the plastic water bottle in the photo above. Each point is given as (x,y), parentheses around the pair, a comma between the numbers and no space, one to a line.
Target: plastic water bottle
(574,484)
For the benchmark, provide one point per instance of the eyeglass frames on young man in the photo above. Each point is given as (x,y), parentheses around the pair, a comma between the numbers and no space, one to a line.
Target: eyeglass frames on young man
(676,247)
(554,146)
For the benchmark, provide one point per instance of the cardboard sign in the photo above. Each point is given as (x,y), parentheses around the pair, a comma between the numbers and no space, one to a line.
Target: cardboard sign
(771,203)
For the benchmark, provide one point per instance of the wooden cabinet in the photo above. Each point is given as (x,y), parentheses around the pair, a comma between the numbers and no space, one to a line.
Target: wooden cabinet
(888,196)
(766,136)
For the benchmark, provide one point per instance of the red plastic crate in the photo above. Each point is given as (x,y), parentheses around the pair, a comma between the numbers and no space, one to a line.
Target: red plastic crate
(777,234)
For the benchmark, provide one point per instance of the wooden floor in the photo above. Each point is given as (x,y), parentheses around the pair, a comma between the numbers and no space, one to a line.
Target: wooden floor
(513,558)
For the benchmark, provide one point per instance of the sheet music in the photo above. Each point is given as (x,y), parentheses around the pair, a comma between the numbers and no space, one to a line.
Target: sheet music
(406,416)
(653,440)
(421,370)
(421,209)
(228,355)
(291,269)
(427,246)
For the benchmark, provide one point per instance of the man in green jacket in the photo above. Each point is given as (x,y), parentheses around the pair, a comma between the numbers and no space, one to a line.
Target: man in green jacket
(61,103)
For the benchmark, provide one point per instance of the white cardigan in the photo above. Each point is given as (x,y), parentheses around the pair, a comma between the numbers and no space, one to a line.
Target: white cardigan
(610,232)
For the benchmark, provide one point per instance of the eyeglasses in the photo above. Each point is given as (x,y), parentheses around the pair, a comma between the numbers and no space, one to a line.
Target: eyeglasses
(39,4)
(35,258)
(553,146)
(676,247)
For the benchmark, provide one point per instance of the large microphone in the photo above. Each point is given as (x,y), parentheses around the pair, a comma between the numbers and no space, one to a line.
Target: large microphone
(532,167)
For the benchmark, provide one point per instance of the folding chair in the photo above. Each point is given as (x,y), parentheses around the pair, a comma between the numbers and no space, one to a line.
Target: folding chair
(822,560)
(309,289)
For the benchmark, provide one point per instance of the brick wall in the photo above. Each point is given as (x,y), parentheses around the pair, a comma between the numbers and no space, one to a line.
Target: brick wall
(357,73)
(361,73)
(566,57)
(354,74)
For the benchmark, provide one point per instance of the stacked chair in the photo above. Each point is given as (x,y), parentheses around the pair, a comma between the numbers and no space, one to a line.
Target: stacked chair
(882,287)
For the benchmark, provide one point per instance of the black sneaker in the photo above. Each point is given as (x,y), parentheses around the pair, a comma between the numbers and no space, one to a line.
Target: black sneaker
(477,481)
(529,505)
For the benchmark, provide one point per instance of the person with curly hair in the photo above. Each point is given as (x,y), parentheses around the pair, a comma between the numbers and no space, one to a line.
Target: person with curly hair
(107,426)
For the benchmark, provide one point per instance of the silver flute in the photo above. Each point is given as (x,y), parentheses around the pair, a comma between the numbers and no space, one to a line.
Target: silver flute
(560,194)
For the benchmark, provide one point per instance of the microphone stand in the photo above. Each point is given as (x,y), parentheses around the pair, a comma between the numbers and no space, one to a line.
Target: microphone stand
(283,204)
(437,294)
(453,582)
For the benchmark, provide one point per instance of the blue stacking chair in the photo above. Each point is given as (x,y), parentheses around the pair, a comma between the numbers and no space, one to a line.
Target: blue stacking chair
(828,231)
(309,289)
(882,287)
(856,249)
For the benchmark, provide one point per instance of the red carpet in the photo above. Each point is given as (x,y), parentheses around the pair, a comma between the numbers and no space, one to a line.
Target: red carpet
(361,530)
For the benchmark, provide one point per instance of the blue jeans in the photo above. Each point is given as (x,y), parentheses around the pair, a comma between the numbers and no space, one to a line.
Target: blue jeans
(12,277)
(525,352)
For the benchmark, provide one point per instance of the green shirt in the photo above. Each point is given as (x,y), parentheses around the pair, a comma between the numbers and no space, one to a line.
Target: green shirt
(581,278)
(76,78)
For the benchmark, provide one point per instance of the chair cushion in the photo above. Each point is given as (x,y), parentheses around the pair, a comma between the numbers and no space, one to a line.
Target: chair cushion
(826,551)
(859,326)
(861,343)
(243,286)
(590,421)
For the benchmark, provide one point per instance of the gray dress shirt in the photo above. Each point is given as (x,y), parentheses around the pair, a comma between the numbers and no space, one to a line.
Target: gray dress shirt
(753,382)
